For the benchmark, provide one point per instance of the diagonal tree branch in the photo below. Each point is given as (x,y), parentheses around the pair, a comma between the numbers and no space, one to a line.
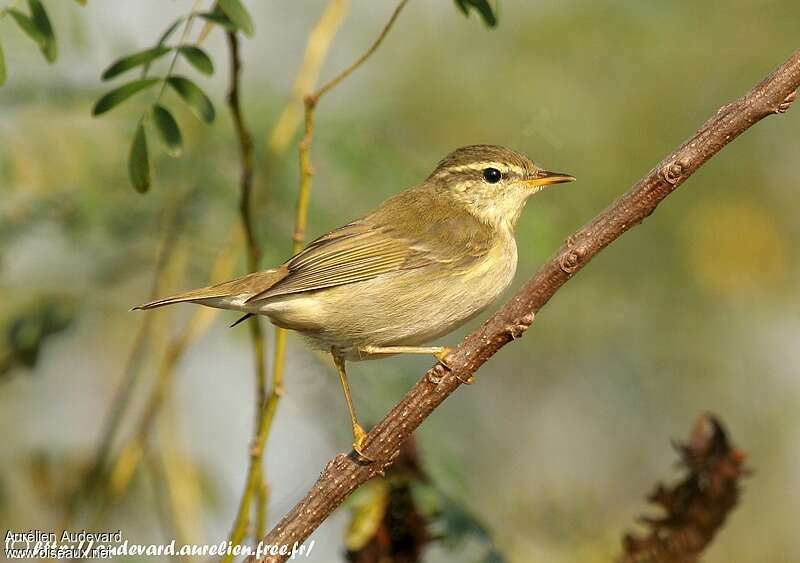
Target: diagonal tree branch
(343,474)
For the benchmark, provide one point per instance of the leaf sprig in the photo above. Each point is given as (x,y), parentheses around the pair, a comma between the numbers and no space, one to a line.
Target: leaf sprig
(37,27)
(231,15)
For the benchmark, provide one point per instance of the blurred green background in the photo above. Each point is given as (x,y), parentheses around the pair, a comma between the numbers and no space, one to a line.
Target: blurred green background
(566,430)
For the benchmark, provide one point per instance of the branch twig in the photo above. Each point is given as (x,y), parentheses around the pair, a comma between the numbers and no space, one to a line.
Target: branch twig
(343,475)
(304,147)
(697,507)
(317,46)
(255,485)
(330,85)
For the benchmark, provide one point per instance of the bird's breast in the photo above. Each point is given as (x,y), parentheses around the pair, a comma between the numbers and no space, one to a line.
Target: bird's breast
(406,307)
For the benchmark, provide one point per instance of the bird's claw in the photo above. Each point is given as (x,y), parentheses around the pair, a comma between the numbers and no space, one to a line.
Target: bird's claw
(442,354)
(359,437)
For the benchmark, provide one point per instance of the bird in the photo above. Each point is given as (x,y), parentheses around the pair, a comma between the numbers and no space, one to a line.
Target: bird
(420,265)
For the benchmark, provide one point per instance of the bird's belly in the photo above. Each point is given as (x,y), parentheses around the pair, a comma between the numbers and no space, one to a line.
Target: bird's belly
(408,308)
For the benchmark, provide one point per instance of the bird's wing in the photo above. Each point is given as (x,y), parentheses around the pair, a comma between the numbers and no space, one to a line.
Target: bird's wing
(353,253)
(415,229)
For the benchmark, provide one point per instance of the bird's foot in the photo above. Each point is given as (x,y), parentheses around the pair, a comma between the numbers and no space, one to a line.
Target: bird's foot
(442,355)
(359,437)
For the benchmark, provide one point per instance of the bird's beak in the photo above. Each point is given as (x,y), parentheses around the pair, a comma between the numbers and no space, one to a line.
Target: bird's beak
(544,178)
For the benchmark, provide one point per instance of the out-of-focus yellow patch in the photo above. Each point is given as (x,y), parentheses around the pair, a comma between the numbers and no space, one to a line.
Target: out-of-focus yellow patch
(736,248)
(368,510)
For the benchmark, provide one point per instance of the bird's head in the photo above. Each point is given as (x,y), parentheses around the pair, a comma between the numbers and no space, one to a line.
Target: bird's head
(492,182)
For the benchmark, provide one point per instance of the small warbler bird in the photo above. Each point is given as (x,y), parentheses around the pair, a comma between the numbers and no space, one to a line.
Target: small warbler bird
(420,265)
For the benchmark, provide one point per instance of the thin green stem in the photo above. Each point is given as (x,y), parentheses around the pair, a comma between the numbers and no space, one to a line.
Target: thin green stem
(253,482)
(184,34)
(255,486)
(307,172)
(363,58)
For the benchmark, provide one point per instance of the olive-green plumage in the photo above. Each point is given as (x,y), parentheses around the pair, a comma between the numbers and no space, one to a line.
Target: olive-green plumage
(420,265)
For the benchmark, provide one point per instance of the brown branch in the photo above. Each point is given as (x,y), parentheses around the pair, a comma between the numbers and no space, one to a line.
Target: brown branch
(697,507)
(245,151)
(343,475)
(255,486)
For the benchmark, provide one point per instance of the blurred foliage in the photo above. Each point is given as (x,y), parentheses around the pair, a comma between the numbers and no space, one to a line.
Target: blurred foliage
(37,27)
(736,249)
(26,332)
(394,518)
(695,509)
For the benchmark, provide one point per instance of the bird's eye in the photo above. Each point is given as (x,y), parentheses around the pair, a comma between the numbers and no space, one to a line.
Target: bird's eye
(492,175)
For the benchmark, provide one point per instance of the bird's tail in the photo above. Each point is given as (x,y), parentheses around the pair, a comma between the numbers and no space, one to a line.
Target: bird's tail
(242,287)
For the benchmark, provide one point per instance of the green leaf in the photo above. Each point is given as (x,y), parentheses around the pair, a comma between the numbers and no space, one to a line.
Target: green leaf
(220,19)
(482,7)
(2,66)
(132,61)
(119,95)
(139,161)
(238,14)
(81,2)
(197,58)
(26,24)
(42,23)
(168,129)
(193,96)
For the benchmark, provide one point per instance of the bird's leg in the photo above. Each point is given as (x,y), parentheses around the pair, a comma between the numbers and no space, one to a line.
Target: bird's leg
(358,432)
(439,352)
